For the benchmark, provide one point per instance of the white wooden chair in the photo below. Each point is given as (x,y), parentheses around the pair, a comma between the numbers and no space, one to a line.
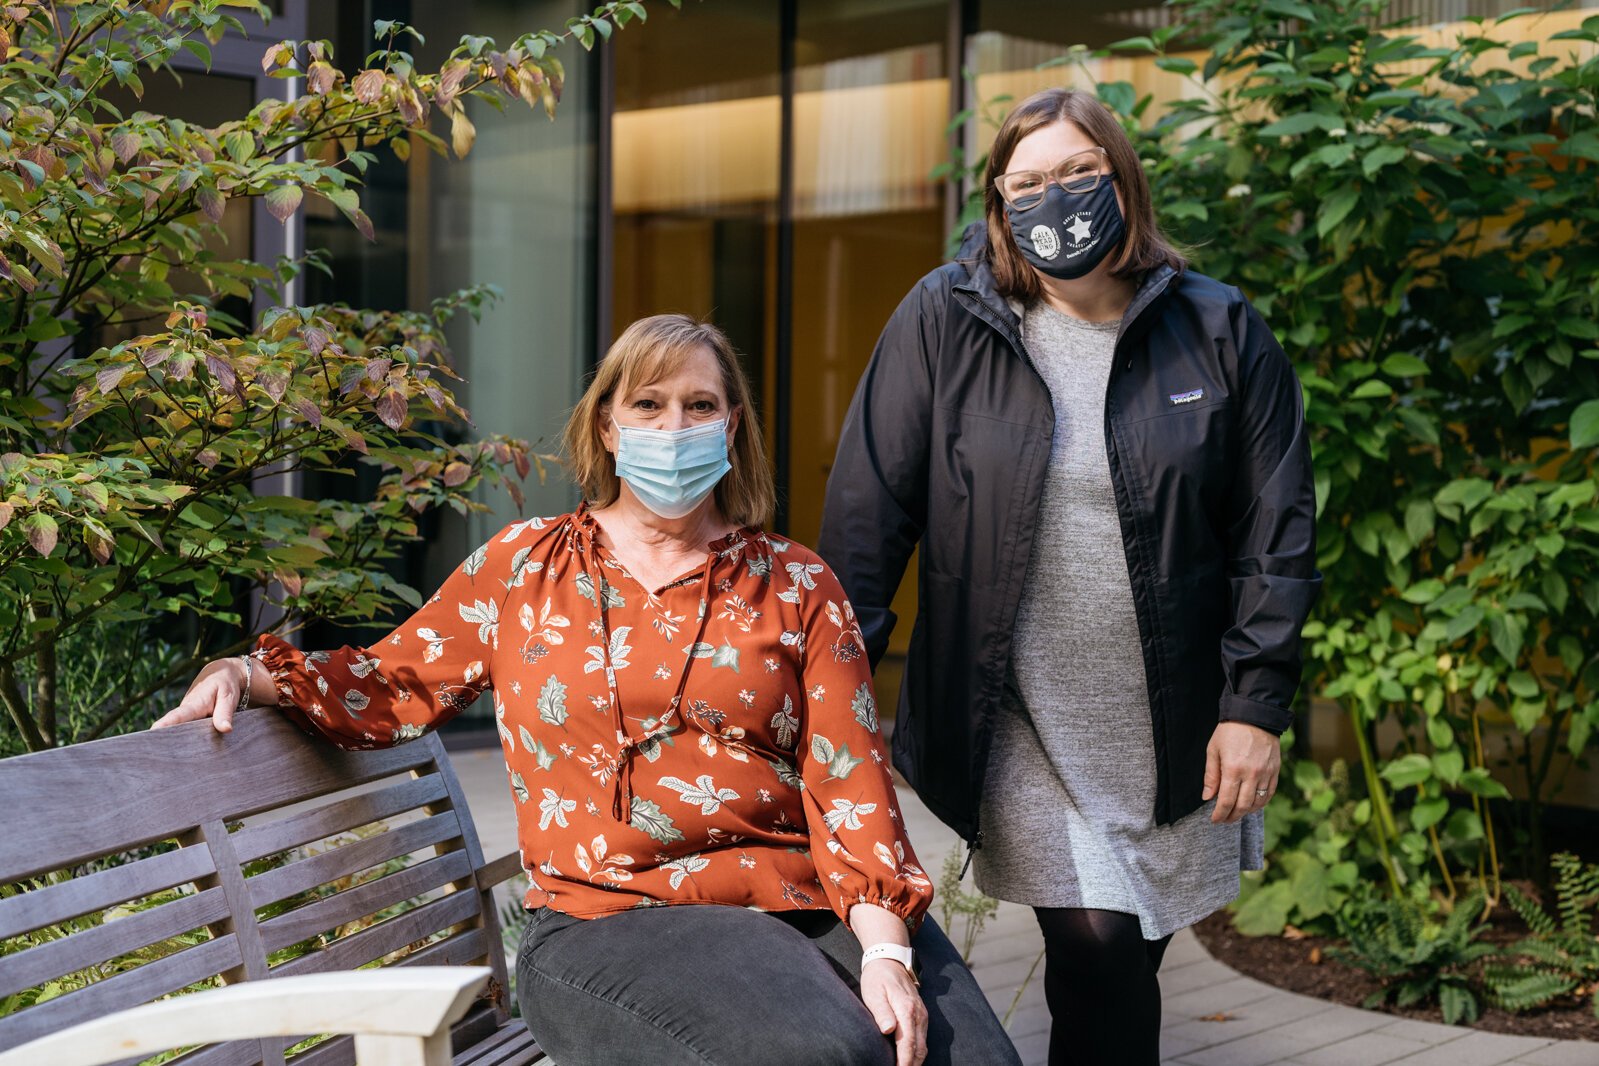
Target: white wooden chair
(399,1016)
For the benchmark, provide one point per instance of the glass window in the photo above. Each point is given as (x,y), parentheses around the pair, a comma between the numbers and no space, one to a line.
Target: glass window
(695,176)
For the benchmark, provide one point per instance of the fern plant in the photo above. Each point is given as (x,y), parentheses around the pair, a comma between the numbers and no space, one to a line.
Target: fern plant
(1416,958)
(1560,956)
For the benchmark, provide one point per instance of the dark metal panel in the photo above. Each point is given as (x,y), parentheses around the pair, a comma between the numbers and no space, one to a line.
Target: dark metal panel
(784,354)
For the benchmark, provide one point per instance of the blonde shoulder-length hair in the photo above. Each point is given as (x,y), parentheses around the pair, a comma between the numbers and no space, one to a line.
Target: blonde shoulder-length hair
(648,350)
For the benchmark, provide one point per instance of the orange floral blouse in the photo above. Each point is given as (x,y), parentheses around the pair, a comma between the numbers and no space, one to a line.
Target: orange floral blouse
(711,741)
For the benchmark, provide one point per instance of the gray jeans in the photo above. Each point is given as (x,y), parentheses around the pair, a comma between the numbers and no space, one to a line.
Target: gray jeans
(708,985)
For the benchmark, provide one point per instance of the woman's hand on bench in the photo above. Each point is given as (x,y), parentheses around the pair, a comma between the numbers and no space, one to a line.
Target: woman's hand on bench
(213,694)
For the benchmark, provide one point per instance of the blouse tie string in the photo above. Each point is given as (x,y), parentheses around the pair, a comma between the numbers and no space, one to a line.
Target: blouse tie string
(629,746)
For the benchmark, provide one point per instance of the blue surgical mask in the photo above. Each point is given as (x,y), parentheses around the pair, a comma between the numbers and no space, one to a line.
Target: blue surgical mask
(672,470)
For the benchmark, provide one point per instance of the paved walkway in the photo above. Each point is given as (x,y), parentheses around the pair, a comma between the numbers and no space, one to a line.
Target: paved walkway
(1213,1015)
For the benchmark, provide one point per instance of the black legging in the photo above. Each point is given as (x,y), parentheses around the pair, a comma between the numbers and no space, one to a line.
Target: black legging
(1099,982)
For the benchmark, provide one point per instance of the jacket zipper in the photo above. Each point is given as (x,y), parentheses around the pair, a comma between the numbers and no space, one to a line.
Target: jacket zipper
(974,304)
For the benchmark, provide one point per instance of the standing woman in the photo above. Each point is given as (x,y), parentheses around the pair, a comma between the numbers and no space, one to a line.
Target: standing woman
(1102,456)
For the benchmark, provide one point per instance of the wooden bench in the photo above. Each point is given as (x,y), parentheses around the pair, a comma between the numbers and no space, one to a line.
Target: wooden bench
(252,843)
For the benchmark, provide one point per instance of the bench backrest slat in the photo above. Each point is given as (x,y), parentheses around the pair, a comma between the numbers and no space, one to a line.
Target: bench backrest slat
(128,989)
(93,799)
(55,958)
(99,891)
(370,898)
(302,876)
(358,949)
(268,838)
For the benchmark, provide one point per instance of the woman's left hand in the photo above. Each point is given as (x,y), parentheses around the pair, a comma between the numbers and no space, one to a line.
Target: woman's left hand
(890,993)
(1241,765)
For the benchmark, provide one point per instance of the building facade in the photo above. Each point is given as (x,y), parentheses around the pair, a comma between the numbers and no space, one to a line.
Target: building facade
(768,164)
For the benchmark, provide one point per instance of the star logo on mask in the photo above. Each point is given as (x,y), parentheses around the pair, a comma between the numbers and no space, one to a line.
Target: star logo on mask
(1079,229)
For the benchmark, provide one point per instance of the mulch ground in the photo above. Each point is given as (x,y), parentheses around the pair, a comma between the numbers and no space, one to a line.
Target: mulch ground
(1302,965)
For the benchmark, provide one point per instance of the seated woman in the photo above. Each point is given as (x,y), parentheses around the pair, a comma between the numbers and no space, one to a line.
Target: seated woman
(687,718)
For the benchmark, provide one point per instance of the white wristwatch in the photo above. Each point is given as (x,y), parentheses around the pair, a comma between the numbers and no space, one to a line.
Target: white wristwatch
(897,952)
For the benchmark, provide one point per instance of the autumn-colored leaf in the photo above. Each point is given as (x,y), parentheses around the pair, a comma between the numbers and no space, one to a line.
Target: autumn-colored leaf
(208,458)
(283,201)
(462,133)
(42,532)
(411,106)
(1315,956)
(126,144)
(223,371)
(212,202)
(154,356)
(6,511)
(109,378)
(319,78)
(391,407)
(290,581)
(368,86)
(450,79)
(316,339)
(378,369)
(363,225)
(274,383)
(99,547)
(310,412)
(456,473)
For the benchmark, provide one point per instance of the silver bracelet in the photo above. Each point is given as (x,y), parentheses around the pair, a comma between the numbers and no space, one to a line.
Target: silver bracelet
(249,671)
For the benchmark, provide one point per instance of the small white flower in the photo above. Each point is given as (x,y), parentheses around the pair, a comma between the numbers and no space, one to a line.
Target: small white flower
(1238,191)
(1338,131)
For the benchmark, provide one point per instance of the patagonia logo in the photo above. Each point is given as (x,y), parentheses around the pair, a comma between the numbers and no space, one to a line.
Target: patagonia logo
(1177,399)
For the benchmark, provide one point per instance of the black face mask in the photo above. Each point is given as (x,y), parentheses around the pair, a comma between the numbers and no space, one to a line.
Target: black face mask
(1066,235)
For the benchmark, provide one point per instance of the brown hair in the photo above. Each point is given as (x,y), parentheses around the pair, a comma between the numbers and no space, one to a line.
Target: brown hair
(1144,248)
(647,351)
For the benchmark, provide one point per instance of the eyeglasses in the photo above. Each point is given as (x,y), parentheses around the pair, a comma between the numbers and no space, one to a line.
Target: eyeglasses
(1076,174)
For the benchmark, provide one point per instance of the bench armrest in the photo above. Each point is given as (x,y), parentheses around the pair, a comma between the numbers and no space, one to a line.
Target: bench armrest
(406,1010)
(501,869)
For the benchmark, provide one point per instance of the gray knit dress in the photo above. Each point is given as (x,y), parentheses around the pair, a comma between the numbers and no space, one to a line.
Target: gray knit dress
(1068,804)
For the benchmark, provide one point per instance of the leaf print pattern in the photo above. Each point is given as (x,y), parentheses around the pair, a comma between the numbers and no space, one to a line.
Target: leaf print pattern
(554,808)
(803,574)
(687,866)
(619,651)
(703,791)
(647,817)
(585,586)
(435,644)
(845,814)
(544,625)
(486,614)
(552,702)
(757,791)
(785,725)
(865,707)
(839,763)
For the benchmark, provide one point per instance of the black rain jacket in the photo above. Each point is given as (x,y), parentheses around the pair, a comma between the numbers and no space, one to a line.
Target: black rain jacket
(945,446)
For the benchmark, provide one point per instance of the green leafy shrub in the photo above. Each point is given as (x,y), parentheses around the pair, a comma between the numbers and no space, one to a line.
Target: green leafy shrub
(1417,958)
(1315,847)
(1417,219)
(140,401)
(1560,957)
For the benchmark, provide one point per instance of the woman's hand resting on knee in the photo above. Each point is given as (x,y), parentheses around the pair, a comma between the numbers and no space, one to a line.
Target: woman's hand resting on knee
(887,988)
